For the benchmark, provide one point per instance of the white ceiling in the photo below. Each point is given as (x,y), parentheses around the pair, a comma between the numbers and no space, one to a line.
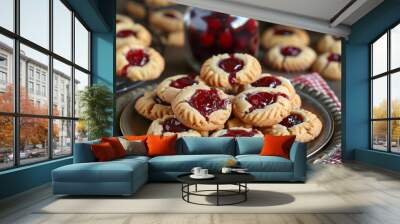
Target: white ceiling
(325,16)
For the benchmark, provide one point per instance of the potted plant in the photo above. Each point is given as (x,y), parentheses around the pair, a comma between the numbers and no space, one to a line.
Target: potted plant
(96,102)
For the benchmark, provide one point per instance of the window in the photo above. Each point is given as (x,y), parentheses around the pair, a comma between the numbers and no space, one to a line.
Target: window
(385,94)
(3,72)
(30,87)
(41,123)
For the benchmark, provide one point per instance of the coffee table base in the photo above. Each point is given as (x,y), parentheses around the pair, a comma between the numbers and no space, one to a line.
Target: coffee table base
(241,191)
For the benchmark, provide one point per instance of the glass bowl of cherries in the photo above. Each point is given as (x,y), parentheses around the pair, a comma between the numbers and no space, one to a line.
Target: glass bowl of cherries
(209,33)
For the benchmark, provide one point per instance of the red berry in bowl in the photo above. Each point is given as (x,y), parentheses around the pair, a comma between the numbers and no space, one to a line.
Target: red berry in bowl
(213,23)
(251,26)
(225,39)
(207,39)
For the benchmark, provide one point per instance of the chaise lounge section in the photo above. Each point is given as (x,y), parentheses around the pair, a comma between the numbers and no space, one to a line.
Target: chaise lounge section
(125,176)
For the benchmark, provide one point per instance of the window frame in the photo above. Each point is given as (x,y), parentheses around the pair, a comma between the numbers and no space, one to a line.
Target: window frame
(16,114)
(388,74)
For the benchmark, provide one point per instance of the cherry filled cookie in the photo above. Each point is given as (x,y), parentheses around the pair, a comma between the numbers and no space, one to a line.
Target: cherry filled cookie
(302,123)
(131,33)
(139,63)
(262,107)
(230,70)
(168,20)
(169,125)
(202,108)
(329,66)
(152,107)
(236,122)
(238,132)
(272,81)
(330,43)
(283,35)
(290,58)
(120,19)
(168,89)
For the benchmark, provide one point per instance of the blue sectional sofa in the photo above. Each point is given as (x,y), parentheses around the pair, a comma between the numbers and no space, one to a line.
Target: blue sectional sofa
(125,176)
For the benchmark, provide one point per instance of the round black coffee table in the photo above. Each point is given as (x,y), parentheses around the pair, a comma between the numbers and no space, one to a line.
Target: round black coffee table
(238,179)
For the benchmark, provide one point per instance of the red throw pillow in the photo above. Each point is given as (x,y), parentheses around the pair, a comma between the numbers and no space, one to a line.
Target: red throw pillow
(136,137)
(277,145)
(161,145)
(116,145)
(103,152)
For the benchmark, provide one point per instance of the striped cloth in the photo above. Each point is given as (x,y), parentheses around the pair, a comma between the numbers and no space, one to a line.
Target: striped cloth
(315,81)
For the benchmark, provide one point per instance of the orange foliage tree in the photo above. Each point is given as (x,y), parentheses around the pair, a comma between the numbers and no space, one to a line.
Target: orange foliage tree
(33,131)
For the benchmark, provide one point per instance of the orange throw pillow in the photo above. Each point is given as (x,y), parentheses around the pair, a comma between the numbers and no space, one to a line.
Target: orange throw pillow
(103,152)
(116,145)
(277,145)
(136,137)
(161,145)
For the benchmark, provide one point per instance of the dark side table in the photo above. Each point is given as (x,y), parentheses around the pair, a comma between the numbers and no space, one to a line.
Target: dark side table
(238,179)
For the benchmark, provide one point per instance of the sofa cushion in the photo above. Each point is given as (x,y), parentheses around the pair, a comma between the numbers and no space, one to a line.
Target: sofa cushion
(249,145)
(257,163)
(112,171)
(185,163)
(207,145)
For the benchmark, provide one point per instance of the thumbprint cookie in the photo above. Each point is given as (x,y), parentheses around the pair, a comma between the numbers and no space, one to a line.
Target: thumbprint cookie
(170,87)
(139,63)
(329,43)
(329,66)
(283,35)
(302,123)
(152,107)
(169,125)
(229,70)
(238,132)
(262,107)
(290,58)
(131,33)
(167,20)
(202,108)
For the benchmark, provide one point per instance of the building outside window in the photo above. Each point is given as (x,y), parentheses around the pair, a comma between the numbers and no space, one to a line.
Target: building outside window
(385,94)
(57,125)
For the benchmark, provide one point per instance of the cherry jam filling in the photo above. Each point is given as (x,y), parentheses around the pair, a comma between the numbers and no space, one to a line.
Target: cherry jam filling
(283,32)
(183,82)
(292,120)
(169,15)
(333,57)
(207,101)
(160,101)
(290,51)
(239,133)
(126,33)
(173,125)
(262,99)
(135,57)
(231,65)
(267,81)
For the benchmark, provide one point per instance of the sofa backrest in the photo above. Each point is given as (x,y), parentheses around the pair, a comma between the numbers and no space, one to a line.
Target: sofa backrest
(207,145)
(249,145)
(83,152)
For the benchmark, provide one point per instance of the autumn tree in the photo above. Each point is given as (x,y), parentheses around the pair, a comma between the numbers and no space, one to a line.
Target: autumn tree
(33,131)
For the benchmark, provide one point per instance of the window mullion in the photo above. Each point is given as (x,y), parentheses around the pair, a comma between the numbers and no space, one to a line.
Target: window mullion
(50,81)
(73,82)
(16,69)
(389,104)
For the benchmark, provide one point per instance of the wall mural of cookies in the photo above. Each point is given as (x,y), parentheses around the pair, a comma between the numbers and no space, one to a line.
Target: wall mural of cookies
(192,72)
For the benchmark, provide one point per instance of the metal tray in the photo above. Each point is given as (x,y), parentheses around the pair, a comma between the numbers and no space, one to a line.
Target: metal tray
(132,123)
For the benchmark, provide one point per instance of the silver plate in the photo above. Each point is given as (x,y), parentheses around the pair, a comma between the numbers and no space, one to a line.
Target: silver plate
(131,123)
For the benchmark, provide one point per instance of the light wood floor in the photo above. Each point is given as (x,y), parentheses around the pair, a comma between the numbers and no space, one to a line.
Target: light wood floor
(379,189)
